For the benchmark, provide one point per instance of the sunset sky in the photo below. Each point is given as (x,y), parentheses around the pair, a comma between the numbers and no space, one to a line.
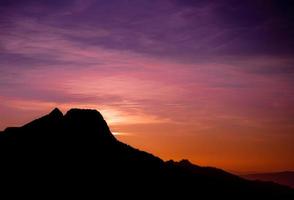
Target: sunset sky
(209,81)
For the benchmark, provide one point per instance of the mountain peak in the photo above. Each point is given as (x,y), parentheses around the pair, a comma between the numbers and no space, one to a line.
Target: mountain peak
(89,121)
(185,162)
(88,116)
(81,111)
(56,112)
(48,121)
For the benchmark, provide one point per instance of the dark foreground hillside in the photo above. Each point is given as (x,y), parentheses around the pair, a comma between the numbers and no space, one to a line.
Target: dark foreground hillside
(76,154)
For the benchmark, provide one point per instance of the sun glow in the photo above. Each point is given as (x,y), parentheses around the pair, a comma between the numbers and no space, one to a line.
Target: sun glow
(118,133)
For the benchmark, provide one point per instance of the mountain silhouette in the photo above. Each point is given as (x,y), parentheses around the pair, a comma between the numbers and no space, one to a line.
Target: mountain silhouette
(284,178)
(76,154)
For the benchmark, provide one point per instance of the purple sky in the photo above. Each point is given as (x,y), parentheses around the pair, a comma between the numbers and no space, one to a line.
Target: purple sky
(213,79)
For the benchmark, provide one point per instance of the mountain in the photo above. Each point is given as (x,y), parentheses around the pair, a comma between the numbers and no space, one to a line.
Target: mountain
(76,154)
(284,178)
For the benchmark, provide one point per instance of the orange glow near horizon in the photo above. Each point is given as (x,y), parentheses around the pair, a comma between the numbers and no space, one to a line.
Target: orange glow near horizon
(201,144)
(220,149)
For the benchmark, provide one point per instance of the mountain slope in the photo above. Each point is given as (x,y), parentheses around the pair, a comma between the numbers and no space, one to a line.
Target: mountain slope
(284,178)
(78,151)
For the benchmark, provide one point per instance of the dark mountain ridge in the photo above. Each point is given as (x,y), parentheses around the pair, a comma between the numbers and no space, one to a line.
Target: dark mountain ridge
(284,178)
(78,153)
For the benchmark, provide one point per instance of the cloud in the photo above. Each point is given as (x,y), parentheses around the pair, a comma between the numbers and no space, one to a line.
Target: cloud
(179,30)
(202,59)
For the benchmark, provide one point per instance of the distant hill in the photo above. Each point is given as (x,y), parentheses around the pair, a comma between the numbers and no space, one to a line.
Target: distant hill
(284,178)
(76,154)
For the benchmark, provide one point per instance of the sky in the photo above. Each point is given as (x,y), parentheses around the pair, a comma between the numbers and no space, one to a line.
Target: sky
(210,81)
